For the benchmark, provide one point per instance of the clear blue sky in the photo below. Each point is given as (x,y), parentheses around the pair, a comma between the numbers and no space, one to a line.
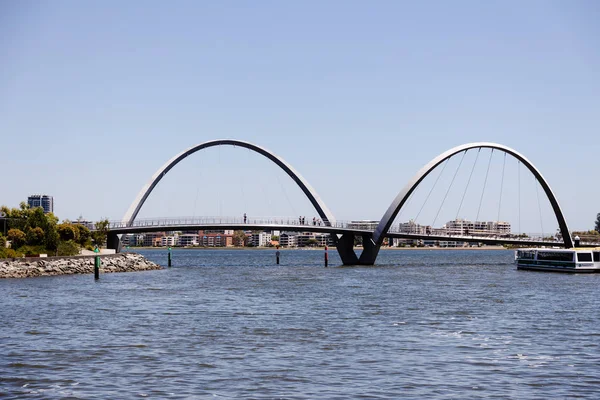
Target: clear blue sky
(357,96)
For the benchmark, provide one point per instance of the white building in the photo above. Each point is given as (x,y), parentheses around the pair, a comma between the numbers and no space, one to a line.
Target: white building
(133,239)
(260,239)
(412,227)
(477,228)
(168,241)
(364,224)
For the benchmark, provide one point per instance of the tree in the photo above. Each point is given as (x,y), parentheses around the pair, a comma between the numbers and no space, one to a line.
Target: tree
(66,232)
(17,238)
(598,222)
(239,238)
(35,236)
(312,242)
(83,233)
(99,235)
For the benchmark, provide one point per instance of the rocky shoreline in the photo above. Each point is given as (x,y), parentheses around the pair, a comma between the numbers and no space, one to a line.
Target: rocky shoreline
(31,267)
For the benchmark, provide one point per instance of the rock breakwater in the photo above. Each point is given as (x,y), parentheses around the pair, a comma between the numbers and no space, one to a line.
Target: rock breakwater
(30,267)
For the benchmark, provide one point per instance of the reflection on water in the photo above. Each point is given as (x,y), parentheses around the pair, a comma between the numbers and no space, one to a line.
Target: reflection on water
(232,324)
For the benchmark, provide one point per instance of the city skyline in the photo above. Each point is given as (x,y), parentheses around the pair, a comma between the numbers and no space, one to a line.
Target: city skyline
(356,111)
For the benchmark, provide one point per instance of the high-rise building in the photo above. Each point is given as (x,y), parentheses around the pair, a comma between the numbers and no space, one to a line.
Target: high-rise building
(41,200)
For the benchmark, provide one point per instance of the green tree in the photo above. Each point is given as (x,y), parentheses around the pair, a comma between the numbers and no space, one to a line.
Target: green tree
(239,238)
(35,236)
(36,218)
(67,231)
(597,222)
(17,238)
(83,233)
(99,235)
(312,242)
(2,242)
(52,240)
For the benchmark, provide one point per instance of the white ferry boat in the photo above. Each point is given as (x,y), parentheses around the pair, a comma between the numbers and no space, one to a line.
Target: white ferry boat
(562,260)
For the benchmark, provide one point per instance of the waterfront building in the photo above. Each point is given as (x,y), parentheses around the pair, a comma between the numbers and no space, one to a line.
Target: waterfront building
(188,239)
(132,239)
(288,239)
(261,239)
(86,223)
(41,200)
(477,228)
(153,239)
(414,228)
(363,224)
(215,238)
(168,241)
(306,239)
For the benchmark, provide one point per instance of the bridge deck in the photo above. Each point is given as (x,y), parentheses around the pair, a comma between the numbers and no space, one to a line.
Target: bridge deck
(339,228)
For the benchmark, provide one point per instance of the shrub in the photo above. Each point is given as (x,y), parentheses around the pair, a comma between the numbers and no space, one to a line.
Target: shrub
(9,253)
(67,232)
(68,248)
(29,251)
(17,238)
(35,236)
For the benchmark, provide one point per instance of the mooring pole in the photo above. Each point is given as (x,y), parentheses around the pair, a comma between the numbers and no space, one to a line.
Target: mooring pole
(326,257)
(277,255)
(169,257)
(97,264)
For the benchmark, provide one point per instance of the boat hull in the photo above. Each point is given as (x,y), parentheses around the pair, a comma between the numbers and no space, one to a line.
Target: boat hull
(557,268)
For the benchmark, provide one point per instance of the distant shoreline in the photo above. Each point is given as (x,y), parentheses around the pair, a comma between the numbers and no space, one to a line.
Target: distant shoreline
(134,249)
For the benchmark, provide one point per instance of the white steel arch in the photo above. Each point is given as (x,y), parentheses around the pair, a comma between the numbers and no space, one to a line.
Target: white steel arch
(312,195)
(402,197)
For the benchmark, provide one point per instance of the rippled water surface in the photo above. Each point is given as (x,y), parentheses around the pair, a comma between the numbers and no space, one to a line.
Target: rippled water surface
(232,324)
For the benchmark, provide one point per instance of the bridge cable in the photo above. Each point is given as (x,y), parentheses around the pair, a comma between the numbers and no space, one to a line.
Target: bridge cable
(241,179)
(219,186)
(519,193)
(484,184)
(407,204)
(539,205)
(501,187)
(431,190)
(448,190)
(468,182)
(197,190)
(286,195)
(267,197)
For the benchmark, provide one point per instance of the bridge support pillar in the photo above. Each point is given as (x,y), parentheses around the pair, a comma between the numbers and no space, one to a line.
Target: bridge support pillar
(345,248)
(113,242)
(370,251)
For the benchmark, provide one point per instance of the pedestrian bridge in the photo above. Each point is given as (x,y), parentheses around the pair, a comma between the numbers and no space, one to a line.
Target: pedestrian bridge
(342,233)
(292,225)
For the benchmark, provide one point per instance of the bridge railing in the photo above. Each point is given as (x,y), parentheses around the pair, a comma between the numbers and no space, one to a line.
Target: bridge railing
(538,237)
(225,220)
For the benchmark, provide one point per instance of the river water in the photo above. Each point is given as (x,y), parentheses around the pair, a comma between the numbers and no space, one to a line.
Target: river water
(231,324)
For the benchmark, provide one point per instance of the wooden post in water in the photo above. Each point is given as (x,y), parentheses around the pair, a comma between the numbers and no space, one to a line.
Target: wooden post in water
(326,257)
(97,264)
(277,255)
(169,257)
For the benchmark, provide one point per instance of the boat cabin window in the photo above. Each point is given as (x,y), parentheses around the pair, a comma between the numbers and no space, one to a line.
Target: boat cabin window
(597,256)
(526,254)
(555,255)
(584,257)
